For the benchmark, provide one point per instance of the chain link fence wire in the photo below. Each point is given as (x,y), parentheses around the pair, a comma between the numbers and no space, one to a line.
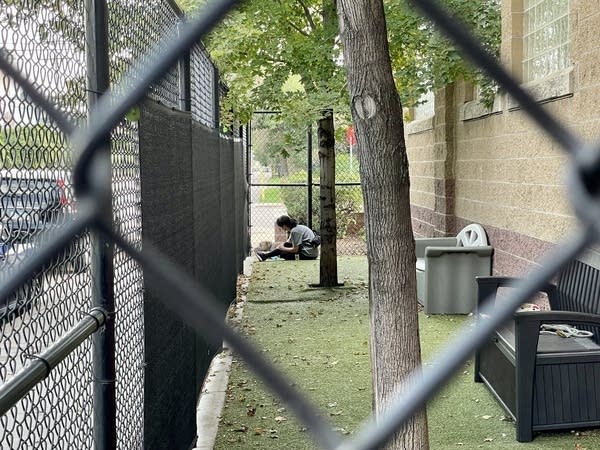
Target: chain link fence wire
(348,201)
(282,182)
(46,42)
(197,305)
(204,88)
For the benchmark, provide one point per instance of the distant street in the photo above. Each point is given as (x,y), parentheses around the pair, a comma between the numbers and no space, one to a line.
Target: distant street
(263,217)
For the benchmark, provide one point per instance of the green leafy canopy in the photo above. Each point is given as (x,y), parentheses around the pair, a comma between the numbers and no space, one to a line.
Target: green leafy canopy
(285,54)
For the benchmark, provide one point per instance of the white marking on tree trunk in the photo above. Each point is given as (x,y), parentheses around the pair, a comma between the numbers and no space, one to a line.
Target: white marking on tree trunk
(365,107)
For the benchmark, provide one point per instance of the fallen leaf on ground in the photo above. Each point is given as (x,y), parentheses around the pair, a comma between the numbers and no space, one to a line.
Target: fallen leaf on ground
(280,419)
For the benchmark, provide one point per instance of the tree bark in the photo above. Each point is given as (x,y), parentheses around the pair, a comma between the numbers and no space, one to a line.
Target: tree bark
(377,116)
(328,263)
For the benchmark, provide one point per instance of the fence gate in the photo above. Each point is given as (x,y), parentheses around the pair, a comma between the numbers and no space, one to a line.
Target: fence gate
(283,172)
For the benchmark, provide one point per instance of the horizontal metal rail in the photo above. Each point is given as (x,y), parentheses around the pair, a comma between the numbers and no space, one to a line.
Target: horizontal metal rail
(41,364)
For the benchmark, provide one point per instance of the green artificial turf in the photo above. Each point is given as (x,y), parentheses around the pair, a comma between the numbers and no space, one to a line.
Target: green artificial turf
(319,339)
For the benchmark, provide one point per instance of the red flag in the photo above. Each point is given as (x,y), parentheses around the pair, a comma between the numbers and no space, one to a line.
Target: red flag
(350,136)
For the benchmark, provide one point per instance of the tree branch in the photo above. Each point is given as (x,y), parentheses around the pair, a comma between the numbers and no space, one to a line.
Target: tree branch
(298,29)
(307,14)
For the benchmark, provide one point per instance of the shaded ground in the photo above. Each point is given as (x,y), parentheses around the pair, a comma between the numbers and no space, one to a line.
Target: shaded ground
(319,338)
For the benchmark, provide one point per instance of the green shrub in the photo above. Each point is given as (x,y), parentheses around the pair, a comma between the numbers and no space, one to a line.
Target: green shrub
(271,195)
(348,203)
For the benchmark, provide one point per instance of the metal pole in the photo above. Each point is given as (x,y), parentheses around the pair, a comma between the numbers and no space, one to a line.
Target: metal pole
(217,99)
(185,103)
(309,171)
(103,342)
(41,364)
(249,181)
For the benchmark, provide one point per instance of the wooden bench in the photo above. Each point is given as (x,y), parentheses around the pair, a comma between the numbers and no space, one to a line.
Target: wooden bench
(544,381)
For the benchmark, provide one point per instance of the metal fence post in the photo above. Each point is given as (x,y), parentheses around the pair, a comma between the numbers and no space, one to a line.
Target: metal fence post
(102,265)
(309,178)
(185,94)
(249,181)
(216,99)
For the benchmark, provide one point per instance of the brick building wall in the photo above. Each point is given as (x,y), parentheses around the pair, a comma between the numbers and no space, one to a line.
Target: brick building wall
(493,166)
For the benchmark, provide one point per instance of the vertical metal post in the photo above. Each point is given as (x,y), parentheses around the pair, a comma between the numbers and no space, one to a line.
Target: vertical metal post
(249,180)
(309,171)
(103,343)
(185,91)
(217,99)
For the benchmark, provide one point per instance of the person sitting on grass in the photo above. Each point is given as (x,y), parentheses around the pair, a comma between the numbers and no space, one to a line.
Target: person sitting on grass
(300,242)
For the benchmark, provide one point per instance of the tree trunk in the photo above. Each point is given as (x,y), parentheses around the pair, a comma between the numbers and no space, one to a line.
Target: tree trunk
(328,263)
(377,116)
(282,167)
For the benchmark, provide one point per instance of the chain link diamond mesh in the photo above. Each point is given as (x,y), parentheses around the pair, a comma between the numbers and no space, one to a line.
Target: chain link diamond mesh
(203,89)
(47,44)
(45,40)
(57,410)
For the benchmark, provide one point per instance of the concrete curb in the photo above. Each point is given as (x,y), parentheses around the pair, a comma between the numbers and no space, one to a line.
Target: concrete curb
(214,389)
(212,400)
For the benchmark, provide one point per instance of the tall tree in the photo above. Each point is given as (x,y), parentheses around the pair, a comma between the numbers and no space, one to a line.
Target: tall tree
(285,55)
(290,41)
(264,45)
(377,116)
(280,55)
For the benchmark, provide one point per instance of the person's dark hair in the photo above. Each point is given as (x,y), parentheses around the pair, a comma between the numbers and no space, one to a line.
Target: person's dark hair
(286,221)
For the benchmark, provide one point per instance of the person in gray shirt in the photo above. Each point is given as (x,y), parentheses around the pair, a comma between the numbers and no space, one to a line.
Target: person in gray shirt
(301,242)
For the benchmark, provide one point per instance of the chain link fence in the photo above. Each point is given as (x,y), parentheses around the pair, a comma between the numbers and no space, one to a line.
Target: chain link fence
(43,297)
(47,42)
(283,182)
(47,45)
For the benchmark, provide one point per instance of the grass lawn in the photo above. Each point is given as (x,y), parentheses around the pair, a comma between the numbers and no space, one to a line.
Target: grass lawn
(319,338)
(271,195)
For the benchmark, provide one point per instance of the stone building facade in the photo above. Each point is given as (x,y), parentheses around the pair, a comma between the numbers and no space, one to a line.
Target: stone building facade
(494,166)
